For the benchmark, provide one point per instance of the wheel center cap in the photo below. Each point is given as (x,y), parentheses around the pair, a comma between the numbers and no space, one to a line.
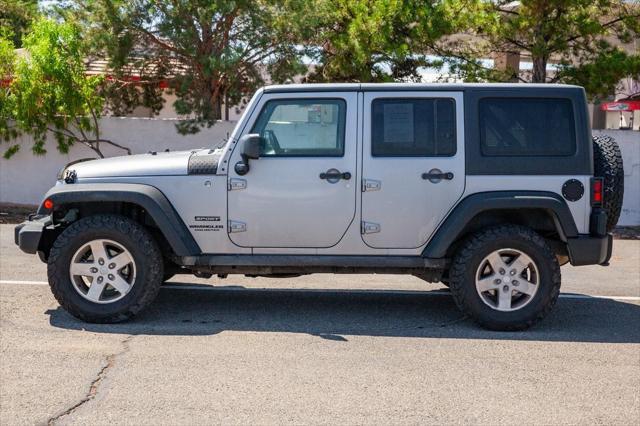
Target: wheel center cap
(104,270)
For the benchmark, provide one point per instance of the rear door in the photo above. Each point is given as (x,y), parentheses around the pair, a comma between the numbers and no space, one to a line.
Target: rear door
(413,165)
(301,192)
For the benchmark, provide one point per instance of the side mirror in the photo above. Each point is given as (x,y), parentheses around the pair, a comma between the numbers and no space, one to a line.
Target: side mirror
(250,149)
(251,145)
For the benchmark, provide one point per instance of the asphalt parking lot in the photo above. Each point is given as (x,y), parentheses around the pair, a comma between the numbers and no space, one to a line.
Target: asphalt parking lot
(320,349)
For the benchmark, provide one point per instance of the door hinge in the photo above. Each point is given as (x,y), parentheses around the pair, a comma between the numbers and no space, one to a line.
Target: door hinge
(369,227)
(235,226)
(235,184)
(371,185)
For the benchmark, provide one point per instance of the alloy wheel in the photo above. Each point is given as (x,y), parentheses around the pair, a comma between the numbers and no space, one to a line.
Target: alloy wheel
(102,271)
(507,280)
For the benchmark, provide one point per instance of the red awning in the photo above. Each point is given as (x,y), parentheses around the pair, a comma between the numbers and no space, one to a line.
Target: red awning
(621,106)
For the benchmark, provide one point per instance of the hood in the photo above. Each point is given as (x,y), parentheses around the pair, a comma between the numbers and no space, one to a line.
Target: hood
(151,164)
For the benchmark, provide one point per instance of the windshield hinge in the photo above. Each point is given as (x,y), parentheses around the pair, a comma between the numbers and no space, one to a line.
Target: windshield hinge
(236,184)
(235,226)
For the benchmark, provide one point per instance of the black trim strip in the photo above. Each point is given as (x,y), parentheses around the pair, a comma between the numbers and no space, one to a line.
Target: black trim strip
(148,197)
(474,204)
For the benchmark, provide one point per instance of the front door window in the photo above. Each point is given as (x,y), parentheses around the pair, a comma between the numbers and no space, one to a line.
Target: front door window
(302,128)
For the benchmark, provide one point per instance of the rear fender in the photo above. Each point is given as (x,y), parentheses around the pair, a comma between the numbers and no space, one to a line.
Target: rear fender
(454,225)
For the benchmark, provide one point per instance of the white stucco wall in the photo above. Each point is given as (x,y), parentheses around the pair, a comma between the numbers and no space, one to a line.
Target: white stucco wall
(629,142)
(26,177)
(613,119)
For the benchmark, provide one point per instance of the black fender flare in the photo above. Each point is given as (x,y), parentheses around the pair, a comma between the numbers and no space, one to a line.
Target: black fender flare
(449,230)
(150,198)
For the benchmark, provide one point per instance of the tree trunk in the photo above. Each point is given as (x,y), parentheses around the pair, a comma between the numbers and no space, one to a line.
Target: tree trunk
(539,70)
(213,98)
(215,101)
(226,106)
(509,63)
(216,108)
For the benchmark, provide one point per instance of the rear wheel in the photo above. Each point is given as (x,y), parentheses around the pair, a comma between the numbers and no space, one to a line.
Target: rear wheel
(105,268)
(505,278)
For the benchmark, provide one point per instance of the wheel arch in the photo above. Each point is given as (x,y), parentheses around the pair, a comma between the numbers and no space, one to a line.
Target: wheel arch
(104,197)
(540,210)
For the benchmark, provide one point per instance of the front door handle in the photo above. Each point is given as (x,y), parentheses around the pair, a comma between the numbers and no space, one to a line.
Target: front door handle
(334,175)
(436,175)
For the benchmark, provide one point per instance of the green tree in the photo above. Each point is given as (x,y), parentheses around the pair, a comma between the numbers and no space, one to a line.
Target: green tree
(7,62)
(210,52)
(376,40)
(580,37)
(16,17)
(50,93)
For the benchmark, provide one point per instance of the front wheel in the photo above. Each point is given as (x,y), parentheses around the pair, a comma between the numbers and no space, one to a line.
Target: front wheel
(505,277)
(105,268)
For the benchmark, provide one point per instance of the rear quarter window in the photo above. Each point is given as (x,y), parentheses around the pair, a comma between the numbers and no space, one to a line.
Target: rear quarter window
(527,127)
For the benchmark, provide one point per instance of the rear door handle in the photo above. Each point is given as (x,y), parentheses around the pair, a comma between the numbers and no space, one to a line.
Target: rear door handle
(437,175)
(334,175)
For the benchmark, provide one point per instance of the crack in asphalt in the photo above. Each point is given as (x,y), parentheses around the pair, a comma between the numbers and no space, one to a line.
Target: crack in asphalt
(109,363)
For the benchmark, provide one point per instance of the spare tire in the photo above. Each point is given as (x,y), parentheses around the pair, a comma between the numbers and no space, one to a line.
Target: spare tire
(607,164)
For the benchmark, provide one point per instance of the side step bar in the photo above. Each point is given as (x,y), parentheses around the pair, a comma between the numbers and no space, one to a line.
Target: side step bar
(312,261)
(272,265)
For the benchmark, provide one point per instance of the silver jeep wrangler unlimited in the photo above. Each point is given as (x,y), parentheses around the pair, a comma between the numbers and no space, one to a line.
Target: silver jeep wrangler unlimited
(486,188)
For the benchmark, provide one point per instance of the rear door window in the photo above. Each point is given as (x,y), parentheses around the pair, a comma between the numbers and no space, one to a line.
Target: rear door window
(413,127)
(527,127)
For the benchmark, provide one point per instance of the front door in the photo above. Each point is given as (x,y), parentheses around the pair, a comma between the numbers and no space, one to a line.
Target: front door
(301,192)
(413,165)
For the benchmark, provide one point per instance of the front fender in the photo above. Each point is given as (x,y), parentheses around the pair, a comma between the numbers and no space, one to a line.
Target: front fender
(148,197)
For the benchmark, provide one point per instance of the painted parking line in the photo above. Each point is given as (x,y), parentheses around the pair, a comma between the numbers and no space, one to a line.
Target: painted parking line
(24,282)
(305,290)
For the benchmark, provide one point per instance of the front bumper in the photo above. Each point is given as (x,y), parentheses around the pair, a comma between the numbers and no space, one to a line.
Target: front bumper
(28,234)
(590,250)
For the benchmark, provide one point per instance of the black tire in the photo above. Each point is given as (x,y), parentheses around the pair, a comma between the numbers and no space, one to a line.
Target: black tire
(607,164)
(135,238)
(467,261)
